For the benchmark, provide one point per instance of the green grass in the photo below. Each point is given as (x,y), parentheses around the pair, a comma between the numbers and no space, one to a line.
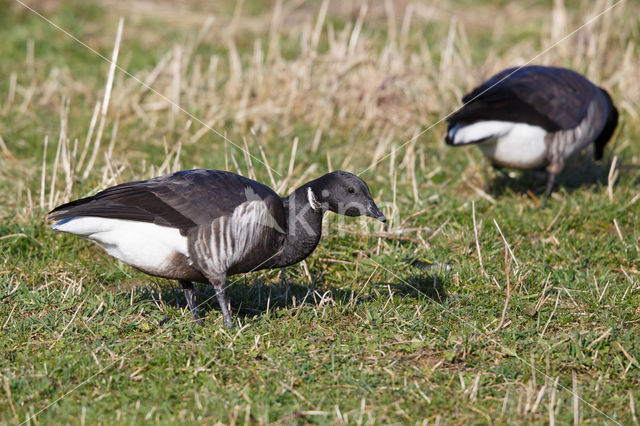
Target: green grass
(364,336)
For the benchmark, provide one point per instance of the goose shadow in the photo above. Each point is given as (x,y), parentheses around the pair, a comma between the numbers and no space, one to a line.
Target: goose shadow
(419,286)
(248,297)
(576,176)
(256,297)
(535,181)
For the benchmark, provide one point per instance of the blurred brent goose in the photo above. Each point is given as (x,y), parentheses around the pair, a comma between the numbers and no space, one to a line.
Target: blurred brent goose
(534,117)
(204,225)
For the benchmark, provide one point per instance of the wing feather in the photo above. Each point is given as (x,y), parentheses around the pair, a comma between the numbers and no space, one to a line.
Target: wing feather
(548,97)
(181,200)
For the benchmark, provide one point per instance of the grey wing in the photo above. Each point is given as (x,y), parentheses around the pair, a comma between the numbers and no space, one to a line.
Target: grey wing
(558,92)
(552,98)
(204,195)
(181,200)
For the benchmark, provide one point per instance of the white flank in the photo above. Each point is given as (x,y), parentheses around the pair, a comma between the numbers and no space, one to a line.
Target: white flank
(315,204)
(464,134)
(220,246)
(523,147)
(248,224)
(233,238)
(505,143)
(144,245)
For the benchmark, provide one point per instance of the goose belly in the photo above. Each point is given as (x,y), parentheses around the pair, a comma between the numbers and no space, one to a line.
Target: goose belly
(156,250)
(522,147)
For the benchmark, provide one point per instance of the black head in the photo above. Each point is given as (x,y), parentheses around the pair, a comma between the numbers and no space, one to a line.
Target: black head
(608,129)
(344,193)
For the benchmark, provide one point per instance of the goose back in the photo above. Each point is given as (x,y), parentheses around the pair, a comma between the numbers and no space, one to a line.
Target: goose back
(179,200)
(201,222)
(549,97)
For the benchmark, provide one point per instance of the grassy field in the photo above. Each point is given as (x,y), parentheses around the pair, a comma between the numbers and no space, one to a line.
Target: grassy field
(526,315)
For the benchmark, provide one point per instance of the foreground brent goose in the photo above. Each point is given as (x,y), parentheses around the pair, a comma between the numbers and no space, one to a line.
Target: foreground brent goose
(205,225)
(534,117)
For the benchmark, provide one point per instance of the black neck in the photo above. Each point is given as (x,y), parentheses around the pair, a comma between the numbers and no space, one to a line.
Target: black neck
(304,227)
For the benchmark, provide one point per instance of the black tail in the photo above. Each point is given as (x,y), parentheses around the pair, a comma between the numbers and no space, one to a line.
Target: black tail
(608,129)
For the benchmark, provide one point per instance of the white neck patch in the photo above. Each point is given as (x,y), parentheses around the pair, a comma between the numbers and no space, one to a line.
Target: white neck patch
(313,201)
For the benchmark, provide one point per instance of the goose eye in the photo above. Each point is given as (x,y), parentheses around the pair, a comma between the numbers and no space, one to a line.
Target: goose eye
(351,190)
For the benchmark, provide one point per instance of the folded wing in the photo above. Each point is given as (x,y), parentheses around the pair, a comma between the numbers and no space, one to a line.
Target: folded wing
(547,97)
(181,200)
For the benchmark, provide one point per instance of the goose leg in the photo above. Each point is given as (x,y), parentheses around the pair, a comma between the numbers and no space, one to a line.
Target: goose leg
(551,180)
(488,180)
(285,284)
(189,290)
(553,170)
(223,301)
(217,280)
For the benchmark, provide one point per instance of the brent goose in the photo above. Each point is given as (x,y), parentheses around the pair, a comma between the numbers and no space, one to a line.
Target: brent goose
(533,117)
(204,225)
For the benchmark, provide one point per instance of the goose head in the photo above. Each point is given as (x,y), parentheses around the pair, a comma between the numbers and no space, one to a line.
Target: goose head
(343,193)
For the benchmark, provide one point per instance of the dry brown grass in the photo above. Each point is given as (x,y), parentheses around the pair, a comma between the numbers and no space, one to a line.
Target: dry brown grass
(343,81)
